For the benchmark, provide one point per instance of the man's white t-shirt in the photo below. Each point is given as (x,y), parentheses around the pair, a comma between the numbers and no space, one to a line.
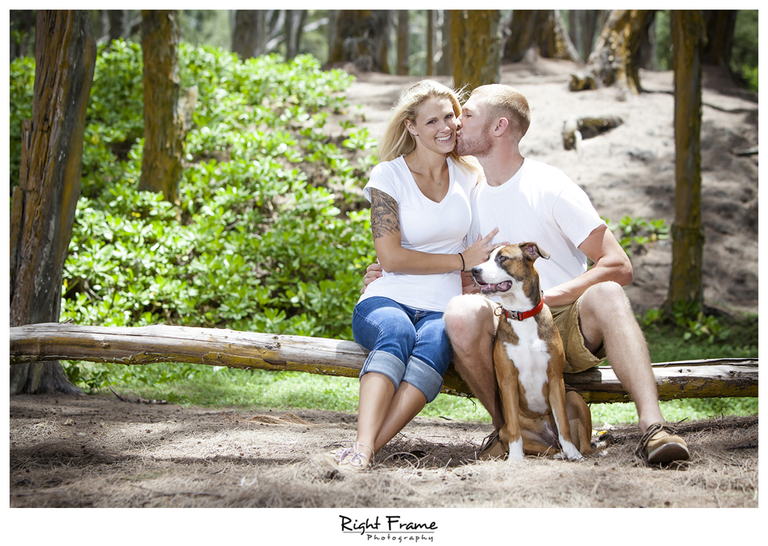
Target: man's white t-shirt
(539,204)
(425,226)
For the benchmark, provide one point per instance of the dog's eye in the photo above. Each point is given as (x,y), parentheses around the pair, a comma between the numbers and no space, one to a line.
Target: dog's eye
(502,258)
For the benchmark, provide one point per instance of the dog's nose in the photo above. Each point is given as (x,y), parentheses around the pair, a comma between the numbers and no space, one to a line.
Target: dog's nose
(476,270)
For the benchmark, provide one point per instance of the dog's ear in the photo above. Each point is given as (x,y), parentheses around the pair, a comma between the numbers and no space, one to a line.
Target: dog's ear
(532,251)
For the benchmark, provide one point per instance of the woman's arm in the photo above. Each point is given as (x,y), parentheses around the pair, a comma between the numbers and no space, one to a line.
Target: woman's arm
(385,225)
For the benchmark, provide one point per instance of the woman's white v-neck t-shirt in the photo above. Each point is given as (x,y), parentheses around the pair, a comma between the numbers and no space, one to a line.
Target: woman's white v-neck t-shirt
(425,226)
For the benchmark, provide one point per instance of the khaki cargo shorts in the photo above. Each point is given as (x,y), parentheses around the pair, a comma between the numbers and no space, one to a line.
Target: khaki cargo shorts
(577,357)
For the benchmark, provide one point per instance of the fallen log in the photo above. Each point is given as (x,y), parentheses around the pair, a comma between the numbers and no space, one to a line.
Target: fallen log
(252,350)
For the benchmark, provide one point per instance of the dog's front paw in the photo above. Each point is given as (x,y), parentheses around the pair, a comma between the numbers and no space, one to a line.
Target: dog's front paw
(570,451)
(515,452)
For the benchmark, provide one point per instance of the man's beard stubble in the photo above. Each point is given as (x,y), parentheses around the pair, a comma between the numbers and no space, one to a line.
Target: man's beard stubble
(478,147)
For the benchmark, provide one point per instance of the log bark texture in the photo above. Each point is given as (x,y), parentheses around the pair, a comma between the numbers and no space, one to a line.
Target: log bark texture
(247,350)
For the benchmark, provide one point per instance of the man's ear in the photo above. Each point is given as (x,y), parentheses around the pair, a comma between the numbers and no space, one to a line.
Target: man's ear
(502,126)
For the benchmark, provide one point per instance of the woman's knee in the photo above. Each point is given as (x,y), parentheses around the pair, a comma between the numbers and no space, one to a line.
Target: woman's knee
(384,328)
(432,344)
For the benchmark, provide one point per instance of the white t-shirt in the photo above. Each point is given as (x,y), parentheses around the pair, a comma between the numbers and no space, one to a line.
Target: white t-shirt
(539,204)
(426,226)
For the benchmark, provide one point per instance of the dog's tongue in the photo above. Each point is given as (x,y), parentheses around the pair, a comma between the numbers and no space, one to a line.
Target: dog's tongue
(501,287)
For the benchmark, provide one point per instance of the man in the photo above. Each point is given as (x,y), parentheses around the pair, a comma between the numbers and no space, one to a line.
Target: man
(531,201)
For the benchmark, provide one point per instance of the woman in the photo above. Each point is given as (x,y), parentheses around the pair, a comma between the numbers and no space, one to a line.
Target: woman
(420,214)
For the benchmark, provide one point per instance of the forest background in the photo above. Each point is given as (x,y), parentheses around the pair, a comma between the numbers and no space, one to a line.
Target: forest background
(269,188)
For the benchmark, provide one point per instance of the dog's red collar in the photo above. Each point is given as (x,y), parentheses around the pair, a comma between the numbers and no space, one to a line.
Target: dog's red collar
(521,315)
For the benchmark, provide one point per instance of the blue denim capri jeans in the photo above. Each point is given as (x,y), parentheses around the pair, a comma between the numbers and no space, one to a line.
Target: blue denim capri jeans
(405,344)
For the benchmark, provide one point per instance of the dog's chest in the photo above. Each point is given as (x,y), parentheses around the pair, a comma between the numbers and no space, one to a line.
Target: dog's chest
(531,358)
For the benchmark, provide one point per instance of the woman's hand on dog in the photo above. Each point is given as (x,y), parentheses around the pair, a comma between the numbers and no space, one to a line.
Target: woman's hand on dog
(479,251)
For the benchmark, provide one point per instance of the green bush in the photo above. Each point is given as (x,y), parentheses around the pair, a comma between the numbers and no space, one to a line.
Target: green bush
(254,244)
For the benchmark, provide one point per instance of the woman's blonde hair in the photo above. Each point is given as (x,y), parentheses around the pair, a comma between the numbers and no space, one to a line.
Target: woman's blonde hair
(397,140)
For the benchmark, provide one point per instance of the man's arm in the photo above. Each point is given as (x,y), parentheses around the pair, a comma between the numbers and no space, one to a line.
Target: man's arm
(611,263)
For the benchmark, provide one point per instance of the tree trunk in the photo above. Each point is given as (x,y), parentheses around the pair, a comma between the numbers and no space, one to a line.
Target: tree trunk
(333,35)
(362,38)
(430,64)
(44,202)
(249,37)
(118,24)
(540,29)
(720,26)
(288,33)
(294,23)
(475,47)
(614,57)
(402,43)
(687,234)
(646,56)
(583,24)
(163,122)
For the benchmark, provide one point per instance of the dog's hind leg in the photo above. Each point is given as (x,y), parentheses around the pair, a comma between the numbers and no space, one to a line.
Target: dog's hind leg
(559,412)
(580,419)
(539,437)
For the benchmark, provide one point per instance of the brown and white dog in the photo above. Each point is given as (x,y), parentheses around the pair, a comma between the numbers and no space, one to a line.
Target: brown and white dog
(540,418)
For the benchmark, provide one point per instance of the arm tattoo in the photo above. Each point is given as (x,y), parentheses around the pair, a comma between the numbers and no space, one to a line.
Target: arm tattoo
(385,218)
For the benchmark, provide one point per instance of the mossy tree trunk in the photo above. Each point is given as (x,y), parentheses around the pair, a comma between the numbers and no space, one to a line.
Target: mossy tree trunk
(543,30)
(475,47)
(44,202)
(163,122)
(687,234)
(614,59)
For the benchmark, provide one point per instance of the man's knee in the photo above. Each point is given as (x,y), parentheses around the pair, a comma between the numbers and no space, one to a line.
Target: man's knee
(462,314)
(466,319)
(606,299)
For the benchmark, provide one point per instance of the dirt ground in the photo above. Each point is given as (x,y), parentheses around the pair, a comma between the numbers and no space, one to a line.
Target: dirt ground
(103,452)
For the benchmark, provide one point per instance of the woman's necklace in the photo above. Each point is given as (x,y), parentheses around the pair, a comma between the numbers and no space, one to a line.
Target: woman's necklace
(426,176)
